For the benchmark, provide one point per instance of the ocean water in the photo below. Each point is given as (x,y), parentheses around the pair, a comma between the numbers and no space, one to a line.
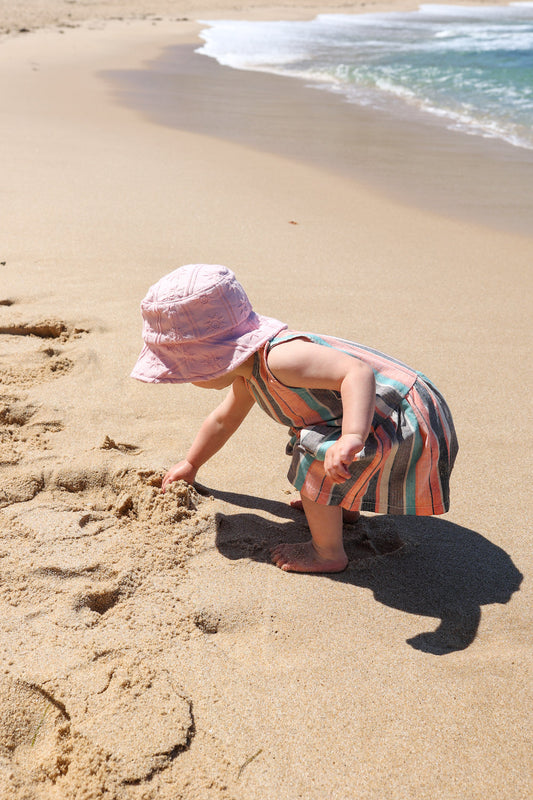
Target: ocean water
(472,67)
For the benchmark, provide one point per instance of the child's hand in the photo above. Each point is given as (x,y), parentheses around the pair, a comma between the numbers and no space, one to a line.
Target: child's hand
(340,455)
(183,471)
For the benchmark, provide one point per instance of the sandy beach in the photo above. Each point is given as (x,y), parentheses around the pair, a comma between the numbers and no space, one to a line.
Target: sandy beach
(149,650)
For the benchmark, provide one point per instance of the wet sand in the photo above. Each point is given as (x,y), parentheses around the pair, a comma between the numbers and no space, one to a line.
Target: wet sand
(409,156)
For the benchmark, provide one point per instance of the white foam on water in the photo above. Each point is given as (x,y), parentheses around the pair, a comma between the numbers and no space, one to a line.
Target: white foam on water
(472,67)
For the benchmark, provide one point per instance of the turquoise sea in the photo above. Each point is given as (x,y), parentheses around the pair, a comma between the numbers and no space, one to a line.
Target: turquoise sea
(472,67)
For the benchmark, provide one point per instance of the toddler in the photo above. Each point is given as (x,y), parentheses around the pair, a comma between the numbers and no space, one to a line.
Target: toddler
(366,431)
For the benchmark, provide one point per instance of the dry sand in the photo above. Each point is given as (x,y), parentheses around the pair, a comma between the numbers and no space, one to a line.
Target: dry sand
(148,649)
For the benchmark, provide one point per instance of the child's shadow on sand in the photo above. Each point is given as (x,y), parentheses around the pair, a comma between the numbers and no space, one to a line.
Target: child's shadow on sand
(444,571)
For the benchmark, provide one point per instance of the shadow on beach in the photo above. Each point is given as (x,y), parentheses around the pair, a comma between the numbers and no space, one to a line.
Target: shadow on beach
(443,571)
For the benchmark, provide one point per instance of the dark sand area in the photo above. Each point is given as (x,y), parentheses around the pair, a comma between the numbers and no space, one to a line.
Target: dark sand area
(405,153)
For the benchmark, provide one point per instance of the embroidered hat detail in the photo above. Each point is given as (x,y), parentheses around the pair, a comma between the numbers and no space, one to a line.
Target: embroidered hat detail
(198,324)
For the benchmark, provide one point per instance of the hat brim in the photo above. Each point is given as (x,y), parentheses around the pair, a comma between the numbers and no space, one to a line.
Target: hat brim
(185,362)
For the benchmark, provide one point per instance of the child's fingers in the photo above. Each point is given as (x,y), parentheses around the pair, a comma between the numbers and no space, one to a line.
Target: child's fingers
(337,472)
(171,476)
(336,464)
(183,471)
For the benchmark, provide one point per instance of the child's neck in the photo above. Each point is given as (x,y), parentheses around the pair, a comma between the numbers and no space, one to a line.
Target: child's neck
(246,369)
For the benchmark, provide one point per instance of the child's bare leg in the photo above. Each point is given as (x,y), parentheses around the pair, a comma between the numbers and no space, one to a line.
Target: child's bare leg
(348,516)
(325,552)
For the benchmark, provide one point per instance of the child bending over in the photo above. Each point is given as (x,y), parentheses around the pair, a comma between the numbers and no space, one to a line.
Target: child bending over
(366,431)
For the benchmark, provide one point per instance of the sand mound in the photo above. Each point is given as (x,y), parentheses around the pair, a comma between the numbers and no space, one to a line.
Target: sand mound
(48,328)
(143,499)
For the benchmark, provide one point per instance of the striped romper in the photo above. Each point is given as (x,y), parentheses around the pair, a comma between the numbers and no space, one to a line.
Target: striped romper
(405,465)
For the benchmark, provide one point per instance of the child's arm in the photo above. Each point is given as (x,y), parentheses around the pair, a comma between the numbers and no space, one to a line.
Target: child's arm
(312,366)
(214,432)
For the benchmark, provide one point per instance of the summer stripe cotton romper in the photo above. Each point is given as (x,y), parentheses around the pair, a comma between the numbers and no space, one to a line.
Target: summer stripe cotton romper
(408,456)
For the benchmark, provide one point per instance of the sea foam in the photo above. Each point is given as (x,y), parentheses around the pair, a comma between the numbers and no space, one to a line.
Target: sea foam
(472,67)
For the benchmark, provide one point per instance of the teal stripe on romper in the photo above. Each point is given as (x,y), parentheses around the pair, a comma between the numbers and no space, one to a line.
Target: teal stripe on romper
(268,401)
(274,404)
(410,478)
(312,401)
(323,448)
(303,467)
(264,398)
(385,381)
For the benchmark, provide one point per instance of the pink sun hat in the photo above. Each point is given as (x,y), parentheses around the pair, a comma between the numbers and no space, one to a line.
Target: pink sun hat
(198,324)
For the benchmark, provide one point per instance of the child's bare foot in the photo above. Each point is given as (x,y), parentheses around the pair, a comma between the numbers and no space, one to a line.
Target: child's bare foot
(348,516)
(302,557)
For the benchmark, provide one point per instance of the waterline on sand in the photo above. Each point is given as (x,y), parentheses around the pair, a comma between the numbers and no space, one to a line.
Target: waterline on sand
(471,67)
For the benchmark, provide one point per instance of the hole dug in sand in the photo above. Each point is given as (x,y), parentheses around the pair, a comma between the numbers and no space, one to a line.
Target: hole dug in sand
(100,601)
(92,604)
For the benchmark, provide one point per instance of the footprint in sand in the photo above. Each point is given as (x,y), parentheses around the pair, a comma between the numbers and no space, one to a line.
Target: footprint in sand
(34,738)
(125,725)
(24,359)
(21,430)
(92,605)
(30,352)
(137,717)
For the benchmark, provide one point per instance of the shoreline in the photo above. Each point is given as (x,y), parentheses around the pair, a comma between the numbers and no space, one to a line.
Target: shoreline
(414,160)
(411,158)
